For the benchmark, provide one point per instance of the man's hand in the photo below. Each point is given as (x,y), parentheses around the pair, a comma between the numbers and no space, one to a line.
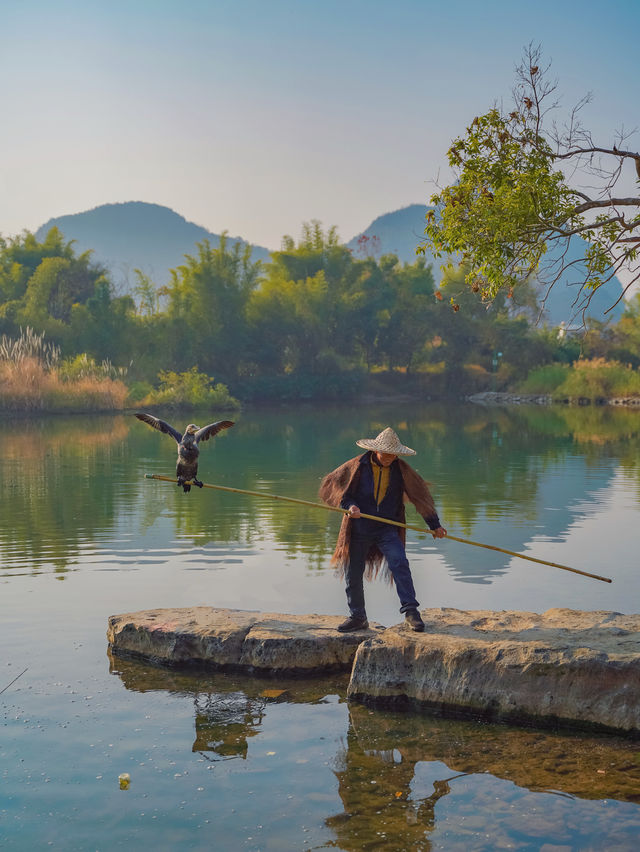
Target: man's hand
(353,512)
(439,533)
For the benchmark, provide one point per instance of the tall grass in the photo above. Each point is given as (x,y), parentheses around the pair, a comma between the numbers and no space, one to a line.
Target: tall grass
(29,346)
(33,378)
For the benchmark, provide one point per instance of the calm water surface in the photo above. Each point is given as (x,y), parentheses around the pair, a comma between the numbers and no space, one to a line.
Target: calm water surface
(219,762)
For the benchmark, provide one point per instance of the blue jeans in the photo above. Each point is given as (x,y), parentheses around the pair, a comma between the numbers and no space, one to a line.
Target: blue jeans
(364,534)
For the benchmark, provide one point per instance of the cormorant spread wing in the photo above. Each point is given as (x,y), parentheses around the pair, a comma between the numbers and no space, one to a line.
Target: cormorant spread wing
(212,429)
(160,425)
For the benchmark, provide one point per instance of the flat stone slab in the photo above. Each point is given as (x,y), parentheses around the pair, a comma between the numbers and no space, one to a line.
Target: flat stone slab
(236,639)
(579,669)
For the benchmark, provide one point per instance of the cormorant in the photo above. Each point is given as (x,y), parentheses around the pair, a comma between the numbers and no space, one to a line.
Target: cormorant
(188,450)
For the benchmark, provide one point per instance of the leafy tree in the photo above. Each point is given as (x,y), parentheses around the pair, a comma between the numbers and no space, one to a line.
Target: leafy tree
(296,314)
(288,320)
(207,301)
(364,313)
(315,251)
(148,294)
(104,326)
(21,256)
(43,284)
(486,334)
(411,313)
(525,188)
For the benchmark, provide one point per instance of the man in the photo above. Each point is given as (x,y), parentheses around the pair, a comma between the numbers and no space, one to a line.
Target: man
(377,483)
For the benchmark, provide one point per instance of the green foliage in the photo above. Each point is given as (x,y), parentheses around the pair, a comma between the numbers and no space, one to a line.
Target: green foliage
(67,297)
(410,313)
(593,379)
(139,391)
(511,198)
(147,293)
(491,215)
(294,314)
(597,379)
(624,341)
(207,300)
(544,380)
(83,366)
(314,323)
(317,298)
(190,389)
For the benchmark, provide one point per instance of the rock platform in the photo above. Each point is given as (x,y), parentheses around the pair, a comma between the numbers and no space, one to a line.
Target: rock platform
(563,667)
(235,639)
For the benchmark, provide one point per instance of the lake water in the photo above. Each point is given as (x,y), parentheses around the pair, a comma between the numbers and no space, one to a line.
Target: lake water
(229,763)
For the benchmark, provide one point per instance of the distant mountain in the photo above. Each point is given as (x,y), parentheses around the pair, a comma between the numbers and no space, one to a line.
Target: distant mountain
(396,233)
(401,231)
(138,235)
(133,235)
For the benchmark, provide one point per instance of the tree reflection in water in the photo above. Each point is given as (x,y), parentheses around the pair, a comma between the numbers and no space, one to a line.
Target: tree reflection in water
(379,808)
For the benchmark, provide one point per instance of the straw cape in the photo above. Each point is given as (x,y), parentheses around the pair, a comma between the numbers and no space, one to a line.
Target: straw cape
(386,442)
(343,478)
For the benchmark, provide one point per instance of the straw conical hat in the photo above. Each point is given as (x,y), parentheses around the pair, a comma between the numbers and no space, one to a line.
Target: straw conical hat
(386,442)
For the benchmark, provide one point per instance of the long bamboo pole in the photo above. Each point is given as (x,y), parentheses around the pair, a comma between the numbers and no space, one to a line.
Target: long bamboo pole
(386,521)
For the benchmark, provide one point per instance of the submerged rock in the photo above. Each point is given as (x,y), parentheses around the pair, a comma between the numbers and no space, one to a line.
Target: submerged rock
(236,639)
(580,669)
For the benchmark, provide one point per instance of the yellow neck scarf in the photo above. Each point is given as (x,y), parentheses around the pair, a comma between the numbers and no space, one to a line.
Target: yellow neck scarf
(380,481)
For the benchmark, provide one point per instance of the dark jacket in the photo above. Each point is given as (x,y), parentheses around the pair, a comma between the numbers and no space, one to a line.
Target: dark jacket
(354,477)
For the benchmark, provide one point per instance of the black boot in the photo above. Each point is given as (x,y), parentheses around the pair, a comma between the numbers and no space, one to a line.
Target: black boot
(413,619)
(352,624)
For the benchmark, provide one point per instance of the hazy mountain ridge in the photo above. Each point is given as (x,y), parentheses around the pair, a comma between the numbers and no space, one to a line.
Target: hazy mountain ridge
(398,232)
(153,238)
(136,234)
(401,231)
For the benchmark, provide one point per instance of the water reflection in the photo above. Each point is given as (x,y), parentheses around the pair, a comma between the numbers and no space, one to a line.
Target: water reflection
(52,475)
(407,782)
(224,724)
(77,493)
(228,709)
(417,762)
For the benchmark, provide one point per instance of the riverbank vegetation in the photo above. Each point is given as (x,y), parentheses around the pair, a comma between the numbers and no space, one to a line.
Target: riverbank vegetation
(34,378)
(315,322)
(592,379)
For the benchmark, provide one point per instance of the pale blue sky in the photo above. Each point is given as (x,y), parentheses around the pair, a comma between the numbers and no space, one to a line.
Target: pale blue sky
(256,115)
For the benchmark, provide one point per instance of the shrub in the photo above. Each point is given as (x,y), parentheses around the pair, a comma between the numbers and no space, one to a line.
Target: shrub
(83,366)
(138,391)
(190,389)
(545,380)
(597,378)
